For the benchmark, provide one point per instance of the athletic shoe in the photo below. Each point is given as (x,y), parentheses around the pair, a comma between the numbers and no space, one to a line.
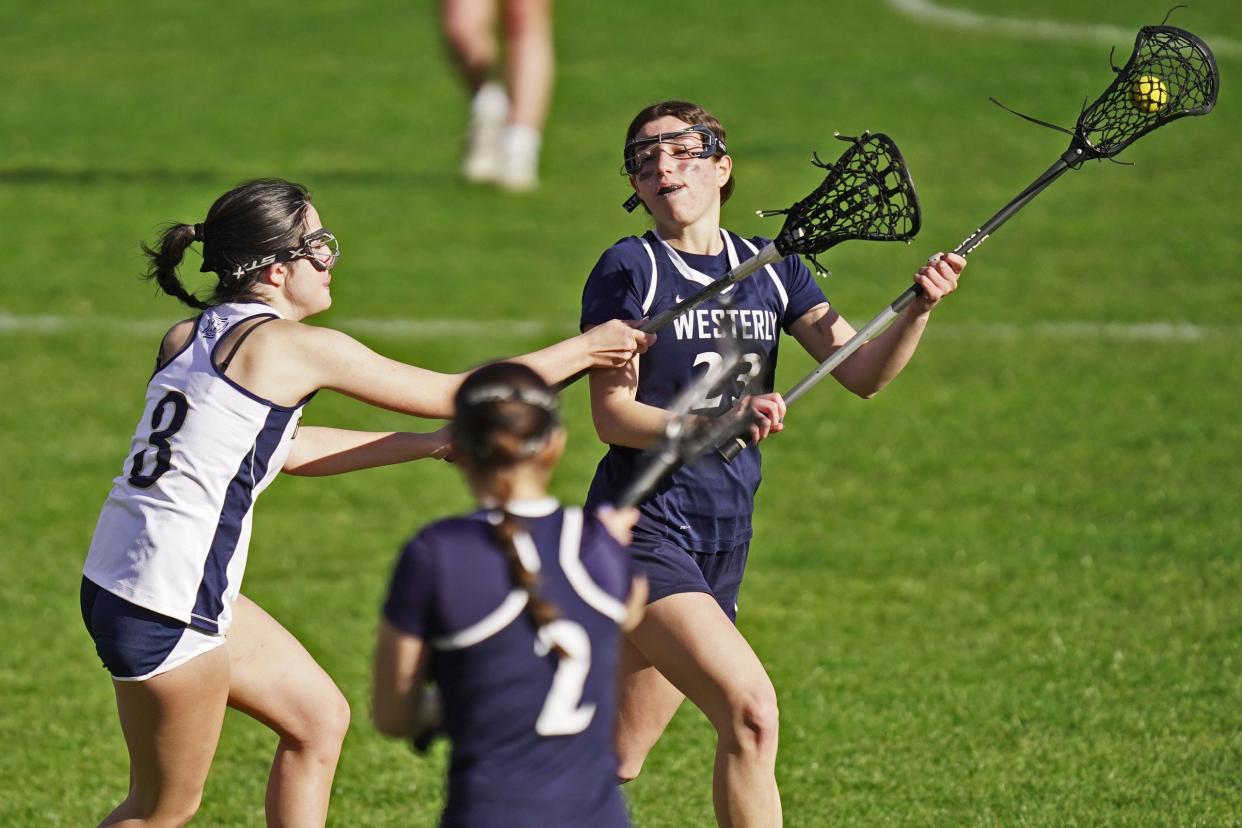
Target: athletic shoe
(519,158)
(482,160)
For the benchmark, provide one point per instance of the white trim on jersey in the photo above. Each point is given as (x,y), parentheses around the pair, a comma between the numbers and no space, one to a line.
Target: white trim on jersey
(651,291)
(780,287)
(690,273)
(569,555)
(534,508)
(576,573)
(526,552)
(492,623)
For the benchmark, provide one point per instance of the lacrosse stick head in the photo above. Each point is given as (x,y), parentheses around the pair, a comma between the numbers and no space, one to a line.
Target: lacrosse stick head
(866,194)
(1171,74)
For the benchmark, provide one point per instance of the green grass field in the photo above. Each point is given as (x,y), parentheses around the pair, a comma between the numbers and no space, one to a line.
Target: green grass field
(1006,592)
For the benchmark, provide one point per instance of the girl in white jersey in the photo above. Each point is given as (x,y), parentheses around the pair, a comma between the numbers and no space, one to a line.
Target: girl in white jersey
(161,587)
(692,538)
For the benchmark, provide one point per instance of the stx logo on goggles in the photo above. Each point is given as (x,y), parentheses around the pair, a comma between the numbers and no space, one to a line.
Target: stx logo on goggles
(320,247)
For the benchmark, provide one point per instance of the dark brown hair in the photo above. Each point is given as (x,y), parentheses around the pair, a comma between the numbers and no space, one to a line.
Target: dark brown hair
(505,414)
(692,114)
(250,222)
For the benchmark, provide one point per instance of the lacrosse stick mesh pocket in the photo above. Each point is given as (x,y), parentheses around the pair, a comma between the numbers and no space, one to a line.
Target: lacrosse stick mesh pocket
(867,194)
(1171,74)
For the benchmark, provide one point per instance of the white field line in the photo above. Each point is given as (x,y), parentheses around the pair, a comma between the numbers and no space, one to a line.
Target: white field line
(963,20)
(1090,331)
(483,329)
(17,325)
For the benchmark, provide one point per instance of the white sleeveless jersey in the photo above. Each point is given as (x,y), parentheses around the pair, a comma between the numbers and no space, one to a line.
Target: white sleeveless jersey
(174,532)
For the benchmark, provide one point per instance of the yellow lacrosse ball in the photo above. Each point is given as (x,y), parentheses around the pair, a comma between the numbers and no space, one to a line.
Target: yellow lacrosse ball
(1149,94)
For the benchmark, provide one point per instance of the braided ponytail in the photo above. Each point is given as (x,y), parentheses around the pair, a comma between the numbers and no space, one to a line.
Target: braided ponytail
(165,260)
(506,529)
(505,415)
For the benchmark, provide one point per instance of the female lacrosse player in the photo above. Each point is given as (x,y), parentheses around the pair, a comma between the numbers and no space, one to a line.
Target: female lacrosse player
(513,611)
(161,587)
(693,534)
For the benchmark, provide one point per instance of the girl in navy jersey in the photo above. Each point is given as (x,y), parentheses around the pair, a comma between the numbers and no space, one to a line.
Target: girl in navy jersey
(515,612)
(161,587)
(693,535)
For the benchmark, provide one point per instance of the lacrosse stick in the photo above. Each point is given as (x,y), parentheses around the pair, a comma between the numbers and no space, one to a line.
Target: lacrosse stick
(866,194)
(687,436)
(1170,75)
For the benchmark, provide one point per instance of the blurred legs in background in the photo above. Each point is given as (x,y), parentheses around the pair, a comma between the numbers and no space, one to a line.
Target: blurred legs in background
(506,114)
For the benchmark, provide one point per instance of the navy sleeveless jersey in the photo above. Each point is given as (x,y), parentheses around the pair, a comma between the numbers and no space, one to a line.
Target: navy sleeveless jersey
(531,731)
(704,507)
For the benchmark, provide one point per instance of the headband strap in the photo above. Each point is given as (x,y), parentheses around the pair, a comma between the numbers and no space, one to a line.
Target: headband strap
(503,393)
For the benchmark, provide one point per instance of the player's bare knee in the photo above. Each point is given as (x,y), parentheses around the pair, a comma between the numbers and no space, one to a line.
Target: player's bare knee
(332,721)
(761,717)
(756,719)
(321,729)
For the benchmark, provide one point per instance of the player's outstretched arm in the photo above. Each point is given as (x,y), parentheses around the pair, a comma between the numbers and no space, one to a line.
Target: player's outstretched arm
(610,345)
(318,451)
(299,359)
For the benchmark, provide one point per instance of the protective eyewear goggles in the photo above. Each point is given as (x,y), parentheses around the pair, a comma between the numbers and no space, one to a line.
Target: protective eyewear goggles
(320,247)
(692,142)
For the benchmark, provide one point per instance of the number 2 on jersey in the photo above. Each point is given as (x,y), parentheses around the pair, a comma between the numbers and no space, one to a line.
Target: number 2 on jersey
(563,713)
(159,439)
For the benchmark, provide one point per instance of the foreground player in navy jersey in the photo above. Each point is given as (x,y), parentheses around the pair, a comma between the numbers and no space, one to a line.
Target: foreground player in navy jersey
(514,611)
(693,535)
(161,587)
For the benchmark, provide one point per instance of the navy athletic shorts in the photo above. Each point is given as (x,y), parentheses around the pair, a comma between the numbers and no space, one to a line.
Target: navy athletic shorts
(671,570)
(135,643)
